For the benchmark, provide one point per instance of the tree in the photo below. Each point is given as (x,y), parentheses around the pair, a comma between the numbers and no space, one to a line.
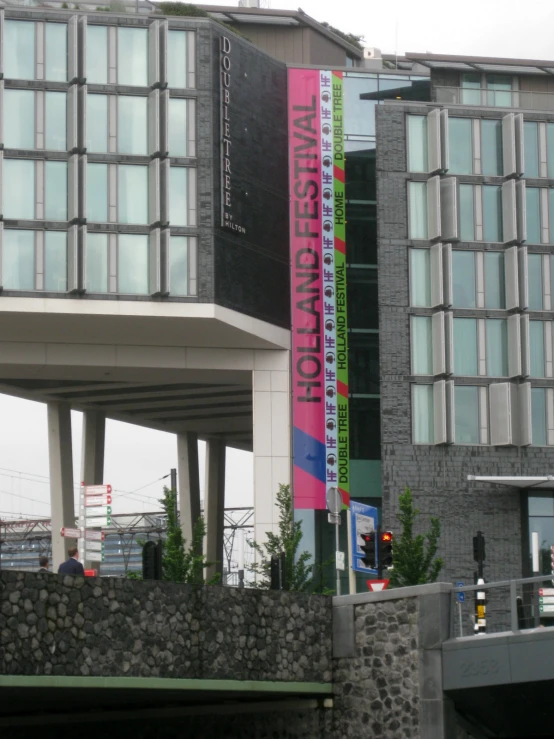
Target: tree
(299,573)
(180,564)
(176,8)
(415,562)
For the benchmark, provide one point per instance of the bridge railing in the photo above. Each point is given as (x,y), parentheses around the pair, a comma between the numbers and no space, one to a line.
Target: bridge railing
(510,605)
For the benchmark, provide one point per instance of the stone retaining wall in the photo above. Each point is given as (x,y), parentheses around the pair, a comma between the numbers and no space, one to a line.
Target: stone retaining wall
(56,625)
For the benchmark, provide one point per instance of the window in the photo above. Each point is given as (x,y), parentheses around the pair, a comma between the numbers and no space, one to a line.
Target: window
(420,277)
(531,148)
(422,345)
(97,123)
(19,197)
(497,347)
(460,145)
(19,119)
(363,363)
(55,56)
(96,280)
(178,200)
(177,59)
(471,89)
(365,442)
(536,348)
(422,414)
(495,281)
(97,54)
(132,56)
(491,148)
(417,143)
(55,261)
(132,266)
(538,416)
(463,279)
(492,213)
(19,50)
(417,203)
(499,90)
(466,415)
(359,112)
(55,124)
(467,217)
(97,193)
(132,194)
(532,204)
(178,265)
(132,125)
(550,149)
(178,127)
(534,269)
(55,191)
(361,233)
(18,260)
(362,299)
(465,346)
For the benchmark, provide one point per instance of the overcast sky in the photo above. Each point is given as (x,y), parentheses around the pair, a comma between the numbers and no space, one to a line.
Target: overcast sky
(136,457)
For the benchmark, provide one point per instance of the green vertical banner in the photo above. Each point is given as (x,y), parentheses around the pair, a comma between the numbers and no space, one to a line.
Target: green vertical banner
(340,288)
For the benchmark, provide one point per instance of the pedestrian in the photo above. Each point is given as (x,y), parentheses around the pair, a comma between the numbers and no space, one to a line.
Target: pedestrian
(71,566)
(44,564)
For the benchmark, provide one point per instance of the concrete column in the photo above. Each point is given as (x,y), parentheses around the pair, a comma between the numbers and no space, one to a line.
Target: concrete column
(92,455)
(61,479)
(271,436)
(188,482)
(214,504)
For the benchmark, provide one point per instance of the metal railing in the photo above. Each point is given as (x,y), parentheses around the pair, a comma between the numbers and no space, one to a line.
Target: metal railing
(485,97)
(511,605)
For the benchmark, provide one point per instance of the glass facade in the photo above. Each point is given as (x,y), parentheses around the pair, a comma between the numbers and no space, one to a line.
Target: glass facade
(422,414)
(460,145)
(463,279)
(466,415)
(465,346)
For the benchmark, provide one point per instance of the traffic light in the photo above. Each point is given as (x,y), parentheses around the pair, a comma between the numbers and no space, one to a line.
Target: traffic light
(369,549)
(385,549)
(479,547)
(152,560)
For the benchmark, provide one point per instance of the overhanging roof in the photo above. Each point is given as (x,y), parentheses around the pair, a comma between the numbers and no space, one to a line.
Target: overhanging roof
(483,64)
(538,483)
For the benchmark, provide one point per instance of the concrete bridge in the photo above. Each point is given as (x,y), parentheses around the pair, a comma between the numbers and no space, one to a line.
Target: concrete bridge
(162,660)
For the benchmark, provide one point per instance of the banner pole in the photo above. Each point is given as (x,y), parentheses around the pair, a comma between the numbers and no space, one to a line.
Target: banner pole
(351,573)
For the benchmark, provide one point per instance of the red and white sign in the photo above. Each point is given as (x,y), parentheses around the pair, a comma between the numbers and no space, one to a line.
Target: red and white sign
(71,533)
(96,489)
(376,586)
(96,500)
(94,535)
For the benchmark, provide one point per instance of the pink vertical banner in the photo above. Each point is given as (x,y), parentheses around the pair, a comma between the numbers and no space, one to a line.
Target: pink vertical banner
(308,355)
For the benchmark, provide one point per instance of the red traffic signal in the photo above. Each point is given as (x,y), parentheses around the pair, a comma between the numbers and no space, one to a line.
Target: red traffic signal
(386,536)
(385,549)
(369,549)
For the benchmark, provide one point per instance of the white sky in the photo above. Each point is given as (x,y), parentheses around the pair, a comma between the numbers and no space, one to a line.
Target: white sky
(135,456)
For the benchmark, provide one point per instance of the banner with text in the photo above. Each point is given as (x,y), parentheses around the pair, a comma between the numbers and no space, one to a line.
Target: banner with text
(318,287)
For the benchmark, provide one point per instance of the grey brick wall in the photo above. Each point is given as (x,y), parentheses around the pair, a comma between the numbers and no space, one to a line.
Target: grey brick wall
(436,475)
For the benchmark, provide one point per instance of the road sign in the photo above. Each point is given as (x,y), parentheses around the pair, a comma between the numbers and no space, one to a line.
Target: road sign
(94,546)
(71,533)
(94,500)
(363,520)
(461,596)
(91,573)
(334,501)
(546,591)
(546,608)
(98,511)
(339,560)
(94,535)
(99,522)
(96,489)
(377,585)
(334,518)
(94,556)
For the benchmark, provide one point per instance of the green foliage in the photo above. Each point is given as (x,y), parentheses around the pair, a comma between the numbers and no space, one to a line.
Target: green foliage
(415,562)
(300,574)
(133,575)
(187,9)
(351,38)
(180,564)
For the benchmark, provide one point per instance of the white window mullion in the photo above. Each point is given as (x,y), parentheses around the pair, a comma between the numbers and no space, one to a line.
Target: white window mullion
(547,303)
(545,216)
(39,119)
(112,262)
(39,49)
(476,146)
(112,55)
(39,189)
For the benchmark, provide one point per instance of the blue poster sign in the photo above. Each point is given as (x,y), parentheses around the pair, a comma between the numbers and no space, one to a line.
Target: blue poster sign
(363,520)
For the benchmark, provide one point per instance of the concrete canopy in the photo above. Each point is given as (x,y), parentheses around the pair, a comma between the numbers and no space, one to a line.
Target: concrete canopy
(540,483)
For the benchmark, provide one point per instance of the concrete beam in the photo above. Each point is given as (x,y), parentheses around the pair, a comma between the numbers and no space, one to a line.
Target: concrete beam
(188,482)
(61,479)
(214,504)
(92,457)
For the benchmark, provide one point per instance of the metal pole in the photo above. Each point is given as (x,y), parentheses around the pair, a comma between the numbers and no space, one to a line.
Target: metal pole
(378,553)
(460,615)
(351,573)
(337,546)
(536,571)
(173,473)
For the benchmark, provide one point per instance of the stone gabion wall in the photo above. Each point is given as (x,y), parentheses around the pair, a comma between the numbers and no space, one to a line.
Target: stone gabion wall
(377,690)
(56,625)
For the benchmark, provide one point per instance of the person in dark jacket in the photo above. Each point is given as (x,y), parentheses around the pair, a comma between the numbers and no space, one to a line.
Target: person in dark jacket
(71,566)
(44,564)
